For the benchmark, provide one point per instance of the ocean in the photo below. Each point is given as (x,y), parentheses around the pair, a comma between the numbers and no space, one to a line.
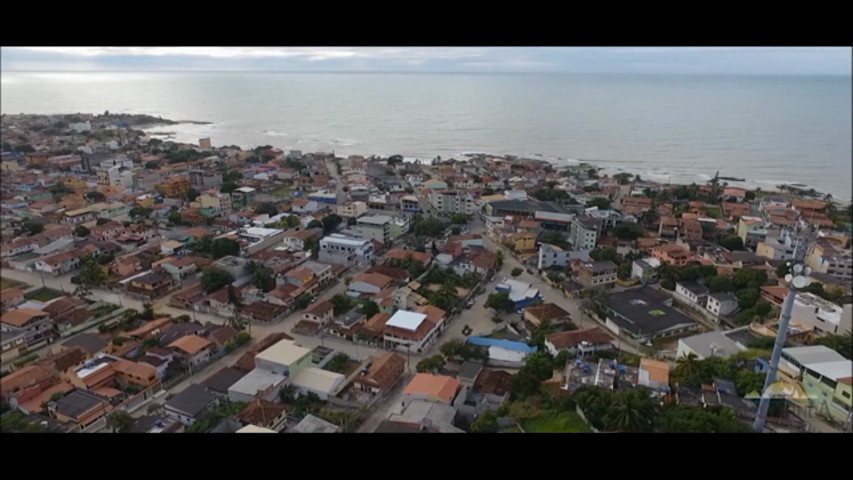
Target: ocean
(678,128)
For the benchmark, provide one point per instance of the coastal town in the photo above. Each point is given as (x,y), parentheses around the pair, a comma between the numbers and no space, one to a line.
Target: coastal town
(153,286)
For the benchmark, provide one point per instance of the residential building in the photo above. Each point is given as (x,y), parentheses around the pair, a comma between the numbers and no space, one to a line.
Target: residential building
(269,416)
(222,380)
(828,387)
(431,388)
(693,294)
(705,345)
(322,383)
(347,325)
(653,374)
(774,294)
(421,417)
(265,312)
(76,217)
(312,424)
(152,285)
(721,304)
(382,374)
(409,331)
(410,204)
(451,202)
(215,204)
(174,187)
(645,269)
(673,254)
(521,242)
(552,255)
(12,345)
(644,314)
(35,325)
(320,312)
(194,349)
(579,342)
(503,353)
(304,205)
(547,312)
(824,316)
(367,285)
(751,230)
(522,294)
(375,227)
(191,404)
(583,233)
(343,250)
(80,407)
(284,357)
(352,209)
(597,274)
(242,197)
(203,179)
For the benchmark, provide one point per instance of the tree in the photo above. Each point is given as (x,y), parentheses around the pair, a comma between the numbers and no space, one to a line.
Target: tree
(540,364)
(331,222)
(215,278)
(428,227)
(431,364)
(459,219)
(192,194)
(302,301)
(500,302)
(102,221)
(600,202)
(92,274)
(624,271)
(315,224)
(222,247)
(139,213)
(152,165)
(747,381)
(632,411)
(176,218)
(719,284)
(95,196)
(228,186)
(560,360)
(485,423)
(604,254)
(516,272)
(732,243)
(342,303)
(554,238)
(267,208)
(684,419)
(369,308)
(263,276)
(628,232)
(623,178)
(30,228)
(119,421)
(338,363)
(81,231)
(537,339)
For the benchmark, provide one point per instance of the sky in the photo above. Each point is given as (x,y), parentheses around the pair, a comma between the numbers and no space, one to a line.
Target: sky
(662,60)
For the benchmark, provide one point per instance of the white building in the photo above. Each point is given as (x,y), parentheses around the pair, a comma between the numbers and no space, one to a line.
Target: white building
(407,330)
(343,250)
(825,316)
(721,303)
(583,234)
(644,268)
(322,383)
(704,345)
(550,255)
(450,202)
(260,238)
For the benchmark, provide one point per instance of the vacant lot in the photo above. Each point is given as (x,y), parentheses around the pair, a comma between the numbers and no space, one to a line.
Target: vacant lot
(9,283)
(43,294)
(556,422)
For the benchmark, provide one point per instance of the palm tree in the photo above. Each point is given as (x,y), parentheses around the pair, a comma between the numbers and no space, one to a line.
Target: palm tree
(687,366)
(120,421)
(631,412)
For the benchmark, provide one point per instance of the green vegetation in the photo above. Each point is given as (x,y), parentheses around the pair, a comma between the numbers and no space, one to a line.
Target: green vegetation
(16,422)
(211,419)
(842,344)
(29,228)
(331,222)
(600,202)
(458,349)
(95,196)
(516,272)
(369,308)
(538,367)
(554,238)
(459,219)
(267,208)
(428,227)
(119,421)
(302,301)
(338,363)
(43,294)
(217,248)
(485,423)
(431,364)
(215,278)
(25,360)
(732,243)
(603,254)
(342,304)
(415,268)
(556,422)
(262,276)
(500,302)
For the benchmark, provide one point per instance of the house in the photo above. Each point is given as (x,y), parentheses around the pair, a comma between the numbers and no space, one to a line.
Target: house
(671,253)
(320,312)
(710,344)
(312,424)
(80,407)
(421,416)
(774,294)
(504,353)
(194,348)
(182,267)
(488,391)
(191,404)
(353,209)
(11,297)
(693,294)
(263,413)
(721,304)
(382,374)
(644,314)
(579,342)
(597,274)
(653,374)
(220,336)
(583,232)
(409,331)
(368,284)
(823,374)
(222,380)
(258,383)
(26,383)
(264,312)
(35,325)
(322,383)
(751,230)
(348,324)
(522,241)
(734,195)
(151,285)
(150,329)
(91,343)
(550,312)
(431,388)
(396,274)
(522,294)
(285,357)
(295,241)
(645,269)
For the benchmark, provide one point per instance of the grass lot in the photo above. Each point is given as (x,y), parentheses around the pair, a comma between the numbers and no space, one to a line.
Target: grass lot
(9,283)
(556,422)
(351,366)
(43,294)
(501,334)
(281,191)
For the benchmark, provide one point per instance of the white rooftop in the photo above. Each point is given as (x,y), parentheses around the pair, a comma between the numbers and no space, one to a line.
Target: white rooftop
(285,352)
(833,370)
(245,189)
(518,290)
(406,320)
(255,429)
(317,379)
(375,219)
(263,232)
(808,356)
(257,380)
(344,240)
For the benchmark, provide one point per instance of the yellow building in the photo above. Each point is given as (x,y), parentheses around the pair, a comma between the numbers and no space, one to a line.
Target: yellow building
(74,183)
(9,165)
(520,242)
(174,187)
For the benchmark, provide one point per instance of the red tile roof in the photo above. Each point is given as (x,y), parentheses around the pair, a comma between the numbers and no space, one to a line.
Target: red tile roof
(384,371)
(573,338)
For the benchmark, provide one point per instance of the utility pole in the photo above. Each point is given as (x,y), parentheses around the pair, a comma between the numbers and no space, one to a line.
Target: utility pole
(797,280)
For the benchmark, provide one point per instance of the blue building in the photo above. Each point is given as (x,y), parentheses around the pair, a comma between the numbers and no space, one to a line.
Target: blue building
(522,294)
(504,353)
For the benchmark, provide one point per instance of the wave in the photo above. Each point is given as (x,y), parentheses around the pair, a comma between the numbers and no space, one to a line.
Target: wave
(273,133)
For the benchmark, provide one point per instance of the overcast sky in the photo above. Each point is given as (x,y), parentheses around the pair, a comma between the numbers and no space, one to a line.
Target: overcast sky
(669,60)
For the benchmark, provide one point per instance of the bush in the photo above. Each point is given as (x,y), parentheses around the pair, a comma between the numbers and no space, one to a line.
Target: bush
(242,338)
(516,272)
(667,284)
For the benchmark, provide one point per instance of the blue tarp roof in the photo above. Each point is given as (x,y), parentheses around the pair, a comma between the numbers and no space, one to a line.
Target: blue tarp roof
(507,344)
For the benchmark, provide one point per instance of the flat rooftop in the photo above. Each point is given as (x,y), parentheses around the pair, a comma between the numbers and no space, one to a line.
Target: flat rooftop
(406,320)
